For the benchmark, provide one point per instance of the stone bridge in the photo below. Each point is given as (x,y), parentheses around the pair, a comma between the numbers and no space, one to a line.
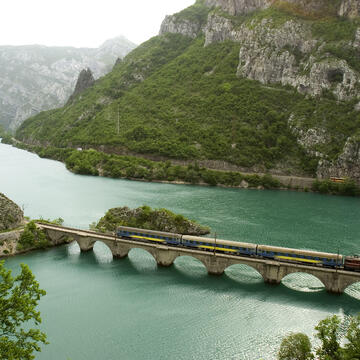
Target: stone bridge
(334,280)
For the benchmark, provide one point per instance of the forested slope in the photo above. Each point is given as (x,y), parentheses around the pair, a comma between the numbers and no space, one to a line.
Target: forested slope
(176,98)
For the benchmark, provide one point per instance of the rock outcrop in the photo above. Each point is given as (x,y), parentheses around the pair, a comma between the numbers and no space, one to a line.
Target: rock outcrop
(349,8)
(286,54)
(237,7)
(11,216)
(346,165)
(85,80)
(172,24)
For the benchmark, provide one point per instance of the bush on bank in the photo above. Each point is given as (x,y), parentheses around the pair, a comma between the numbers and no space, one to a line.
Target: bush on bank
(92,162)
(32,237)
(349,187)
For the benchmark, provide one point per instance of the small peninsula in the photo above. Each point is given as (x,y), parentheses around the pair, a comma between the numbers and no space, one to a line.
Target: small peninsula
(145,217)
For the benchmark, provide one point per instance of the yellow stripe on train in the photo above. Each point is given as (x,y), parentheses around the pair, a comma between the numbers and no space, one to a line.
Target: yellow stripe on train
(146,238)
(298,259)
(212,248)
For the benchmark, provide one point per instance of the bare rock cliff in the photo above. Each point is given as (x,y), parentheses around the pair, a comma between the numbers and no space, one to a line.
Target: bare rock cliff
(237,7)
(347,8)
(286,54)
(346,165)
(11,216)
(172,24)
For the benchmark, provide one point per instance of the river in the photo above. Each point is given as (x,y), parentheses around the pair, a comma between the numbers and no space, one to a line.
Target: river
(100,308)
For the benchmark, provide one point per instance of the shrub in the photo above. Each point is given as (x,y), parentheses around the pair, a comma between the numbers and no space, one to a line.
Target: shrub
(32,237)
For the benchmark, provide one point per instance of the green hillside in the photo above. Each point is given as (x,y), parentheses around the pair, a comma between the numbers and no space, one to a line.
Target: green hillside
(172,97)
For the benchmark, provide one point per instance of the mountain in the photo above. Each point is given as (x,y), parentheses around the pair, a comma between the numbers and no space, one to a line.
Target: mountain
(35,78)
(254,85)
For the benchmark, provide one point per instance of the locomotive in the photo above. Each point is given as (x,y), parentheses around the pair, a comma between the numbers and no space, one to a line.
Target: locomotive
(305,257)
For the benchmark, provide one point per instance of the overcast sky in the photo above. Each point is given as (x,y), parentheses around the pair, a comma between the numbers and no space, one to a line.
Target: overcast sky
(82,23)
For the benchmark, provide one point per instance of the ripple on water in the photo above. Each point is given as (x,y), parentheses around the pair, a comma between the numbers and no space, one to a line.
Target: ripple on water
(353,290)
(244,274)
(303,282)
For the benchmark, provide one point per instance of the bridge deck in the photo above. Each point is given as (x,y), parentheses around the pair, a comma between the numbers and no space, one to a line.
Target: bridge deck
(185,250)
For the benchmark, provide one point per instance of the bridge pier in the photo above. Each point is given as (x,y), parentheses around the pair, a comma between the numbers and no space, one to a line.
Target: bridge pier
(272,273)
(163,256)
(85,243)
(215,265)
(118,250)
(57,237)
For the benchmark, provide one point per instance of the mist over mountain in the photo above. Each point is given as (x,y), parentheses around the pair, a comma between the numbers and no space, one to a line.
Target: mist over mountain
(34,78)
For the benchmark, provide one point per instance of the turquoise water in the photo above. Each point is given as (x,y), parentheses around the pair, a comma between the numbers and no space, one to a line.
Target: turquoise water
(100,308)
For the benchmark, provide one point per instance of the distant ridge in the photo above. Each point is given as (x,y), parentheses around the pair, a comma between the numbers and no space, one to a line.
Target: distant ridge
(34,78)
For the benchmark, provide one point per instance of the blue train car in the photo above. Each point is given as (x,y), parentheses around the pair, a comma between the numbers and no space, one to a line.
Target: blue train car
(148,235)
(224,246)
(300,256)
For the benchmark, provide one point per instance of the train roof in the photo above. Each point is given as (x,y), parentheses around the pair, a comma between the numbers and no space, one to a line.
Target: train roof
(153,232)
(298,251)
(219,241)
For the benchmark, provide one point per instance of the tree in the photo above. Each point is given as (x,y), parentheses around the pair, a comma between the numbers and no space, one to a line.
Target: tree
(327,330)
(352,347)
(19,298)
(295,347)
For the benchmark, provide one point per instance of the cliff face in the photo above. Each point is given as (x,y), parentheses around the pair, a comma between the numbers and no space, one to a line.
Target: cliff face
(185,27)
(346,165)
(36,78)
(11,216)
(237,7)
(347,8)
(282,52)
(287,54)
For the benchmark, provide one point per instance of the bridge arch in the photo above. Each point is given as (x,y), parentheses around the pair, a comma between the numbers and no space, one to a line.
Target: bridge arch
(244,273)
(352,288)
(306,281)
(193,258)
(147,251)
(103,251)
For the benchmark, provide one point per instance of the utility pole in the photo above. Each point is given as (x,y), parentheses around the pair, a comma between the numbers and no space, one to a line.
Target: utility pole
(215,246)
(118,121)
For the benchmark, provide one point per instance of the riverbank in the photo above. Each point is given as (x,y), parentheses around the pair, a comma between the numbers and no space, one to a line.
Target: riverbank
(97,163)
(11,242)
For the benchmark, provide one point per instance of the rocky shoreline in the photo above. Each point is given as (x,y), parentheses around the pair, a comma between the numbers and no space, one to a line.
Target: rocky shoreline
(9,244)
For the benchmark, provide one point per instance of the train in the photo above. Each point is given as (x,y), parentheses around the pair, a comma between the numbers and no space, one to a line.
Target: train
(305,257)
